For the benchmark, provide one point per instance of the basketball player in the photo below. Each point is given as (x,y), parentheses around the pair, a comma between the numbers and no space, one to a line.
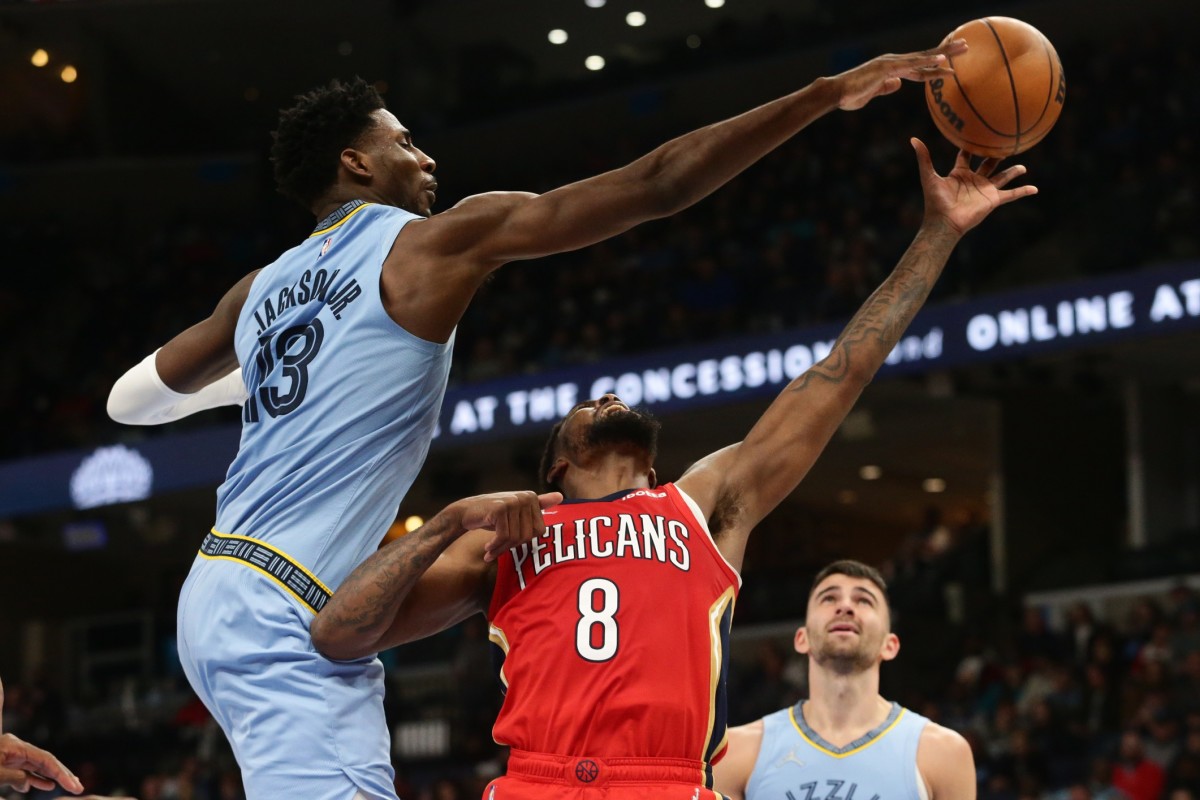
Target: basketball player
(613,621)
(343,346)
(845,740)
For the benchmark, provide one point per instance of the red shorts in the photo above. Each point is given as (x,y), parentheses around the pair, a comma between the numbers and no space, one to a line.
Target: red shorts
(540,776)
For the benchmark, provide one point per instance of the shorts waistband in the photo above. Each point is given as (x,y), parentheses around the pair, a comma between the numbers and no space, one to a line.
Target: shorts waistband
(270,561)
(597,771)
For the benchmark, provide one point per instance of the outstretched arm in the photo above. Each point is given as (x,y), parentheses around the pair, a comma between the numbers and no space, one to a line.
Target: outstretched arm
(460,247)
(429,579)
(196,370)
(739,485)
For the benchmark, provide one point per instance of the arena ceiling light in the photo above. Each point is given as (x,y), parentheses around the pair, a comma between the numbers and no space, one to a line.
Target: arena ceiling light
(412,523)
(934,485)
(635,19)
(69,74)
(594,3)
(594,63)
(557,36)
(870,472)
(714,3)
(40,58)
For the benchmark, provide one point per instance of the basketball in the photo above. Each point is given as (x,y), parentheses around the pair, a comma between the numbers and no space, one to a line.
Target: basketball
(1006,92)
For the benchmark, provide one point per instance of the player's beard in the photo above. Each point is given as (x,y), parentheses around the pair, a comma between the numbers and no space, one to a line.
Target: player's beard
(844,660)
(634,429)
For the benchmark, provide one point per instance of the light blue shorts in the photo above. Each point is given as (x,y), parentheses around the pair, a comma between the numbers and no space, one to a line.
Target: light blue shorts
(301,726)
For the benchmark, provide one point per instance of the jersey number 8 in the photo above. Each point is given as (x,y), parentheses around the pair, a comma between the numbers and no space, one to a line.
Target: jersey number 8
(604,617)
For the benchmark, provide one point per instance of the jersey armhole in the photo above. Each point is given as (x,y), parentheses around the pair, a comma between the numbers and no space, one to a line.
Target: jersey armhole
(699,516)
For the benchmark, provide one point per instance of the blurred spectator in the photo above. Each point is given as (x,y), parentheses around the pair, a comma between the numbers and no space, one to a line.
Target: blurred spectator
(1133,773)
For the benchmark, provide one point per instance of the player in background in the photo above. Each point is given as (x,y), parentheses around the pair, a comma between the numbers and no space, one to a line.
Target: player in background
(846,740)
(613,621)
(344,347)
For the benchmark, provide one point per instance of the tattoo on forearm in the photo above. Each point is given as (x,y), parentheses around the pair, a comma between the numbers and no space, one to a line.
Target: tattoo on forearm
(876,328)
(368,599)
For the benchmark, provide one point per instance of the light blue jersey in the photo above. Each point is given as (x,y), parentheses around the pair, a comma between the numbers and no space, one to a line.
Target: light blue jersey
(795,763)
(343,401)
(342,407)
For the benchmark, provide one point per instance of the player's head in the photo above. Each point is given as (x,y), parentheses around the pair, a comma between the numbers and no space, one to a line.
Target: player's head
(847,626)
(342,132)
(594,429)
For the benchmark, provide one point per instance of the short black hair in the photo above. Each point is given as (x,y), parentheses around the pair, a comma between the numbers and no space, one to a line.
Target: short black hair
(548,456)
(853,569)
(314,131)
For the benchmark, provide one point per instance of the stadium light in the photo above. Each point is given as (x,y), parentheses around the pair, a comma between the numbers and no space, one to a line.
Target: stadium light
(594,63)
(557,36)
(69,74)
(635,19)
(40,58)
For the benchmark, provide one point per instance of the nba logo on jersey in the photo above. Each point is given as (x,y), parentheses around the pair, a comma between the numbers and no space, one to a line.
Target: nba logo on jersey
(325,246)
(492,792)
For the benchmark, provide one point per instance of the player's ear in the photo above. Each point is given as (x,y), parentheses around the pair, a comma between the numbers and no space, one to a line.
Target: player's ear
(890,648)
(355,162)
(653,477)
(800,642)
(557,470)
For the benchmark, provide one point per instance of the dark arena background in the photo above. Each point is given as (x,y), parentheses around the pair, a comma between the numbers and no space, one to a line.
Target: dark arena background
(1025,470)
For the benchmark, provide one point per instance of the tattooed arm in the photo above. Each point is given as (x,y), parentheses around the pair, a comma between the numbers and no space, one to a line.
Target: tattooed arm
(739,485)
(429,579)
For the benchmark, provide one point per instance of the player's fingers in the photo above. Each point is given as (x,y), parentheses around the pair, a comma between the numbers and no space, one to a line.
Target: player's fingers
(988,166)
(951,48)
(890,85)
(929,73)
(12,777)
(25,756)
(492,549)
(1003,178)
(531,516)
(549,499)
(38,782)
(1008,195)
(923,159)
(962,160)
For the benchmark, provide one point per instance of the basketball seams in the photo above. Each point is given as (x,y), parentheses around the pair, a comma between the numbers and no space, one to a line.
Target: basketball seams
(1012,82)
(967,99)
(1052,85)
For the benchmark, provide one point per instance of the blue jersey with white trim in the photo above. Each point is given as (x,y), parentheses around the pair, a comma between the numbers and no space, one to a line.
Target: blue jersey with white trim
(343,402)
(795,763)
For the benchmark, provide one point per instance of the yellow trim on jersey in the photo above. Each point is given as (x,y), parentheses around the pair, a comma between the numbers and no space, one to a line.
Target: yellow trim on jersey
(274,550)
(859,749)
(341,221)
(497,636)
(715,612)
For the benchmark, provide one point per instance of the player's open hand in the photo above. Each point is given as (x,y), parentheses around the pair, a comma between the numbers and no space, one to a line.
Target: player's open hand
(885,74)
(516,517)
(965,196)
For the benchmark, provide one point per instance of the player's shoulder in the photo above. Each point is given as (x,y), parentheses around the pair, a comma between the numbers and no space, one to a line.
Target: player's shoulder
(943,742)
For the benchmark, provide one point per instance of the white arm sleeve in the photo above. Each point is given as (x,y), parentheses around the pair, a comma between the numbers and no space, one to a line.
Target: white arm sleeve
(139,397)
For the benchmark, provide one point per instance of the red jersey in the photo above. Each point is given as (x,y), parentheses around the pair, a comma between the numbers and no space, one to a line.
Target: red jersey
(614,631)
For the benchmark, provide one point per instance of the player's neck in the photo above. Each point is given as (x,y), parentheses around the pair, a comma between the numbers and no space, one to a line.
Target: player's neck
(605,475)
(339,196)
(841,708)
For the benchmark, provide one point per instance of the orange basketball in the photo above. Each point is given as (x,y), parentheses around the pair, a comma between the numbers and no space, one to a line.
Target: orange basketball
(1006,92)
